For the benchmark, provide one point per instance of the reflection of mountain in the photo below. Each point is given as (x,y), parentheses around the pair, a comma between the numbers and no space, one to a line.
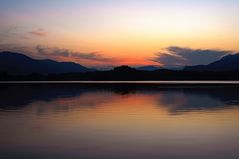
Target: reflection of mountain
(176,99)
(19,95)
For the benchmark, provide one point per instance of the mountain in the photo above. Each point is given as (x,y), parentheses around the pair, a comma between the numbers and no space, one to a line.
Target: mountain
(227,63)
(148,68)
(16,63)
(124,69)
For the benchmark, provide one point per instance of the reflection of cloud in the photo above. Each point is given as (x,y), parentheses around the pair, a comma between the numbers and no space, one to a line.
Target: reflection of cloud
(56,52)
(178,102)
(38,32)
(77,102)
(178,56)
(181,100)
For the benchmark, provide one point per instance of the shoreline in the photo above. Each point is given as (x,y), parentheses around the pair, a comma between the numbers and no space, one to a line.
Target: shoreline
(126,82)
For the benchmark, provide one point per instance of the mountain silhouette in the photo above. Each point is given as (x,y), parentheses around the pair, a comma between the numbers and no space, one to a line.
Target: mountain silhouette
(227,63)
(19,67)
(16,63)
(124,69)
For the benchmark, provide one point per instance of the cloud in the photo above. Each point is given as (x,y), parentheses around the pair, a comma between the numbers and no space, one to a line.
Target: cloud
(10,34)
(38,32)
(180,56)
(56,52)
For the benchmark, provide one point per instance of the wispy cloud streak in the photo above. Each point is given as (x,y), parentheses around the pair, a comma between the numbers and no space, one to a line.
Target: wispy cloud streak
(57,52)
(38,32)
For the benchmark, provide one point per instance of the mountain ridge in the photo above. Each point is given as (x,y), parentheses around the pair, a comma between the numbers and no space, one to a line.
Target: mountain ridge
(20,64)
(226,63)
(17,63)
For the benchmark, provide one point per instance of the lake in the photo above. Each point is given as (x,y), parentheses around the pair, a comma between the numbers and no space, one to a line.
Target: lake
(119,121)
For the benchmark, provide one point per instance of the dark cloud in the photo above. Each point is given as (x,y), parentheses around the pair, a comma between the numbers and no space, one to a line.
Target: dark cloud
(38,32)
(179,56)
(56,52)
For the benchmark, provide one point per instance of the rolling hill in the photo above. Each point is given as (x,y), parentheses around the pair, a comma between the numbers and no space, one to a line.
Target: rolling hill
(19,64)
(227,63)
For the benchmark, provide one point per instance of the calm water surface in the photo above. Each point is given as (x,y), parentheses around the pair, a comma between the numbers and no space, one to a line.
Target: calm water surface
(118,121)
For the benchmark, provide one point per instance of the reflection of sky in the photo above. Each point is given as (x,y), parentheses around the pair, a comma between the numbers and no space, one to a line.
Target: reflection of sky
(108,124)
(120,29)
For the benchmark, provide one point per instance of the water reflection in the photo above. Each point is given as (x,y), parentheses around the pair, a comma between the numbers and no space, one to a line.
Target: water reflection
(175,99)
(118,121)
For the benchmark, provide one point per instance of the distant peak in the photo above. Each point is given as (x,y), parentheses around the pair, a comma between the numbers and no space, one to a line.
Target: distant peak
(9,53)
(124,68)
(230,57)
(18,63)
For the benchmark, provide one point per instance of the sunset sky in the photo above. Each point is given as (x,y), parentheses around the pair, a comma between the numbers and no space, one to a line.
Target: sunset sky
(106,33)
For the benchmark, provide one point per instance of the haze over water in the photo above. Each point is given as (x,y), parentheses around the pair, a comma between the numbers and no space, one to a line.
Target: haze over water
(142,121)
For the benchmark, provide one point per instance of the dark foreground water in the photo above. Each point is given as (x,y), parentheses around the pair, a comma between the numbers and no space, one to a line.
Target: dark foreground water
(118,121)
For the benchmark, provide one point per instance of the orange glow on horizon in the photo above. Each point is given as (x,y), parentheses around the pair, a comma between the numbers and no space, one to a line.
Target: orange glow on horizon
(122,30)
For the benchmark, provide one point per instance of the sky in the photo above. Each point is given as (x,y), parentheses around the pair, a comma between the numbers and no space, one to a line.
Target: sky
(102,33)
